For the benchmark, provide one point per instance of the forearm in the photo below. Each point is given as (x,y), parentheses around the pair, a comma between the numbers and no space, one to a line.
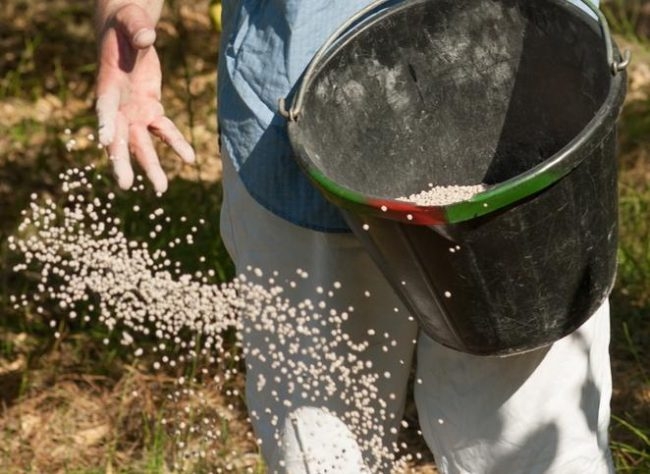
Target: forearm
(106,9)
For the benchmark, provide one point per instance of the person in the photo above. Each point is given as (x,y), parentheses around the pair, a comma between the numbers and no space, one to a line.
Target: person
(546,411)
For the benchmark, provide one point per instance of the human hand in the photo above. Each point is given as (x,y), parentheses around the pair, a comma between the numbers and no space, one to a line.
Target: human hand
(128,98)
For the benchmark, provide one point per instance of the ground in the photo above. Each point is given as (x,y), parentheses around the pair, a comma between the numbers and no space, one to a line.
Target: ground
(74,404)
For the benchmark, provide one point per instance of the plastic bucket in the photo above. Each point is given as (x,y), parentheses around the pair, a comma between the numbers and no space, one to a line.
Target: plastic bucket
(520,95)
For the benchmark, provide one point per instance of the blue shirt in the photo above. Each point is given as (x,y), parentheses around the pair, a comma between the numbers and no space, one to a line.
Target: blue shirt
(265,47)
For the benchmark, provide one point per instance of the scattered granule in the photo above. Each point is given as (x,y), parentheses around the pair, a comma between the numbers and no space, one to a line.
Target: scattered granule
(86,266)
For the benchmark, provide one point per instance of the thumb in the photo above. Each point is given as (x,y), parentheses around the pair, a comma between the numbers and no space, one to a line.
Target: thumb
(134,22)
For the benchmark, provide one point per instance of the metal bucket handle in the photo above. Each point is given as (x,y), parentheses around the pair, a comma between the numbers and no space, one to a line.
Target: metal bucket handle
(293,113)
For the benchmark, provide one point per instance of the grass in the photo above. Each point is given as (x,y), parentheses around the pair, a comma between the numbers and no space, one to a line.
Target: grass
(631,298)
(625,16)
(68,403)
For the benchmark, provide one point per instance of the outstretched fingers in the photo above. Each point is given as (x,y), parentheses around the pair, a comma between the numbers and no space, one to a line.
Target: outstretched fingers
(107,106)
(145,152)
(118,151)
(123,139)
(167,131)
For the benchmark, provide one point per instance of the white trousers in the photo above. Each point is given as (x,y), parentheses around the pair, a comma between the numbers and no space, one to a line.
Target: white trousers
(545,411)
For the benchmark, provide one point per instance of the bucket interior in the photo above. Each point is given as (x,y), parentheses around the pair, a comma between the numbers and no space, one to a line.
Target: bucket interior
(453,92)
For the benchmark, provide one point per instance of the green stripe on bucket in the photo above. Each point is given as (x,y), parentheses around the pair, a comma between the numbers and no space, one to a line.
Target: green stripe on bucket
(501,196)
(491,200)
(336,189)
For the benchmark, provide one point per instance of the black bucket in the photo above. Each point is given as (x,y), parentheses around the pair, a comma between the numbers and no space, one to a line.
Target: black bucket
(521,95)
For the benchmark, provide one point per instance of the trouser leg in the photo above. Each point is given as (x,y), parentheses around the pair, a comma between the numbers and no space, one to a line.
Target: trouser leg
(310,430)
(545,411)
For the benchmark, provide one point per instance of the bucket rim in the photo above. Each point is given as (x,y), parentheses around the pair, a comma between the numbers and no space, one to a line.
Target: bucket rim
(495,197)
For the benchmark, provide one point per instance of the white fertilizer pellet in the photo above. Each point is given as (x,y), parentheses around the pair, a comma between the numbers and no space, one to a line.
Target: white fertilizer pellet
(88,268)
(444,195)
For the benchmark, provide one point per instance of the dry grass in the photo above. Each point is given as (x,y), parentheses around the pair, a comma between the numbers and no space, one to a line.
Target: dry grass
(72,421)
(74,405)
